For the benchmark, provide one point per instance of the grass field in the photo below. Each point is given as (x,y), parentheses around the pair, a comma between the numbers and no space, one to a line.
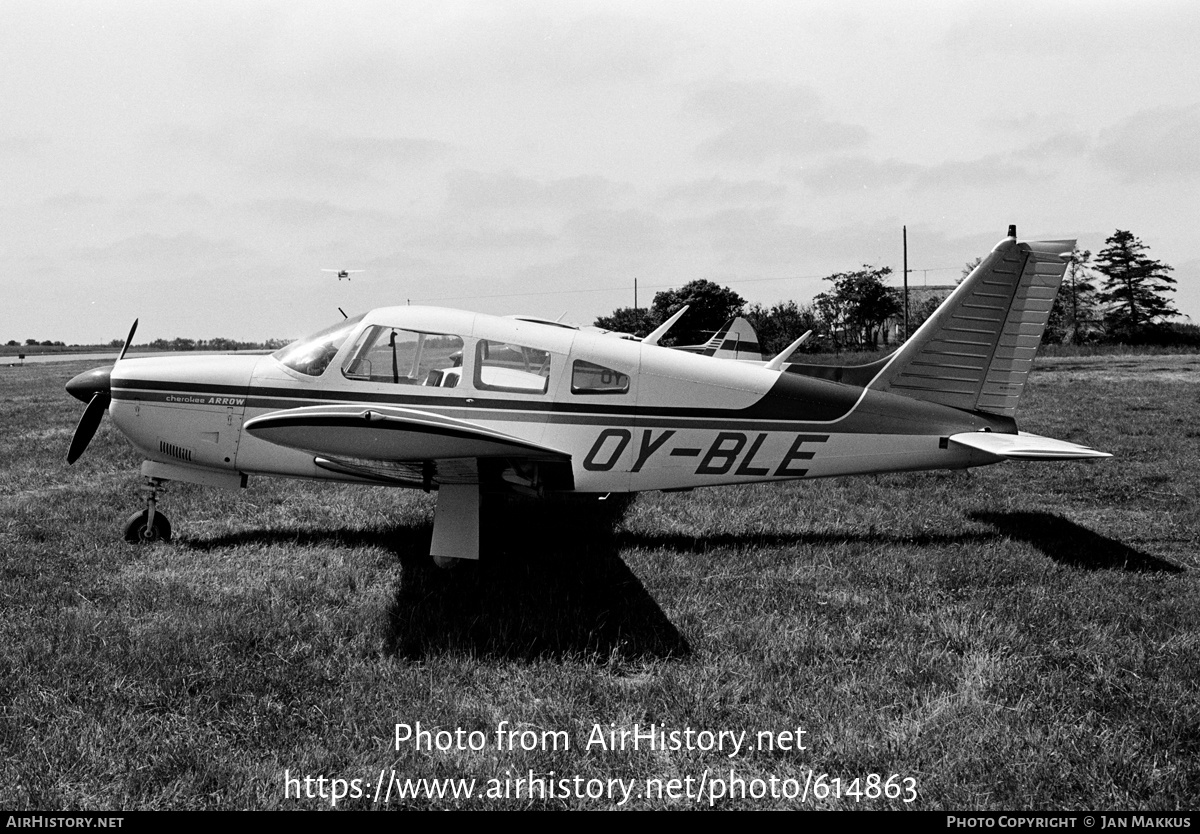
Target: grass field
(1014,637)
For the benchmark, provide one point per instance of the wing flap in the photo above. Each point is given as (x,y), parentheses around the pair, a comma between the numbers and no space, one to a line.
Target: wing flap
(388,433)
(1024,446)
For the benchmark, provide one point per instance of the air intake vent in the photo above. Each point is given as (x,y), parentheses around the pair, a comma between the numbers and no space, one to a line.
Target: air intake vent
(174,451)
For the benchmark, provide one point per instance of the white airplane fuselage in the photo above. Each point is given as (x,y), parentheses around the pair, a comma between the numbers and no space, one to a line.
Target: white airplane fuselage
(683,420)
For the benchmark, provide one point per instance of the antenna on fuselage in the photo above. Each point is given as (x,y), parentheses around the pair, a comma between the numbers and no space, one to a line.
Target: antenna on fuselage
(786,354)
(343,312)
(662,329)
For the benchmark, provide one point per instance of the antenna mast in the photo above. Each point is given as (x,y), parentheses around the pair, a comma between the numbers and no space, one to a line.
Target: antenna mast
(905,228)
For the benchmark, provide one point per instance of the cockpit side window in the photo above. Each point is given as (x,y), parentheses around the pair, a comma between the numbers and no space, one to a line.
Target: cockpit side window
(589,378)
(312,354)
(500,366)
(405,357)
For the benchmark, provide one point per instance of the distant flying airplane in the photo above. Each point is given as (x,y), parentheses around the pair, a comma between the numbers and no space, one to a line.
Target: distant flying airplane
(344,273)
(469,404)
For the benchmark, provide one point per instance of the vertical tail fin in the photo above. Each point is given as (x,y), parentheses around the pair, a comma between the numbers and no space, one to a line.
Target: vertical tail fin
(735,340)
(976,350)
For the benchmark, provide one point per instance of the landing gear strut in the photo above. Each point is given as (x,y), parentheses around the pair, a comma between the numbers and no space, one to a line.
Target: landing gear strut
(149,525)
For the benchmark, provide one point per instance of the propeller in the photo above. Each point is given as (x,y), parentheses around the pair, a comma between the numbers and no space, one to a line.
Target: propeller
(93,387)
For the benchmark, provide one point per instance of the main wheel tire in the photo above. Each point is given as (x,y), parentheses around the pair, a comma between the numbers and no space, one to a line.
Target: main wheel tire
(137,531)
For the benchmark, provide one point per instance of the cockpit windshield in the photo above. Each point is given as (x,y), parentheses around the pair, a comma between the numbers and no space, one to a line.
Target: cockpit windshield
(312,354)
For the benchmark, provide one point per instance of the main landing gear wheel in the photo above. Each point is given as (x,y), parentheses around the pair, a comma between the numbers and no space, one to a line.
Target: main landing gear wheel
(141,530)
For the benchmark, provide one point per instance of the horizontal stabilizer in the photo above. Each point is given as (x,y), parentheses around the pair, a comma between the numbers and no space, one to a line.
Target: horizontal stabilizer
(1023,446)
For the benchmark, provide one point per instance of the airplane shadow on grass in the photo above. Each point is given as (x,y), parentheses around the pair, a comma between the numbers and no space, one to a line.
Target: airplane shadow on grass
(1061,540)
(550,583)
(1069,544)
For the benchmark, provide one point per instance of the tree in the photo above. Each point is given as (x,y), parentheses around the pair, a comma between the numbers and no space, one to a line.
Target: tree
(1134,287)
(922,311)
(782,324)
(831,311)
(636,320)
(709,306)
(1073,318)
(863,302)
(968,268)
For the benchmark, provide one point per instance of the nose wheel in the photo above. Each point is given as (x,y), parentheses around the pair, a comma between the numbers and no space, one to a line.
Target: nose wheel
(142,529)
(149,525)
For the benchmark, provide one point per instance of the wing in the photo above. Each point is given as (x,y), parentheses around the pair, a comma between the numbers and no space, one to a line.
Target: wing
(388,433)
(406,447)
(1023,446)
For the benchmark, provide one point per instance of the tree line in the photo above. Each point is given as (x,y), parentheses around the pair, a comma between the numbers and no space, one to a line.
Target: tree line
(1119,295)
(217,344)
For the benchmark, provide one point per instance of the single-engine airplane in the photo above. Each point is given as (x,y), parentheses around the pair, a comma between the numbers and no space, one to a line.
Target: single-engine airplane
(469,404)
(344,273)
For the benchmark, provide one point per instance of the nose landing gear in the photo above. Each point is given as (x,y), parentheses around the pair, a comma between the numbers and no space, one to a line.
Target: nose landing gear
(149,525)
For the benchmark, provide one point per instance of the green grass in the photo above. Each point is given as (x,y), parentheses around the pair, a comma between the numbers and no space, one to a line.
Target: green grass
(1014,637)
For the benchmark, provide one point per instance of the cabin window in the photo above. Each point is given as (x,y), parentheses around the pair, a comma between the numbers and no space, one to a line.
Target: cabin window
(312,354)
(405,357)
(501,366)
(589,378)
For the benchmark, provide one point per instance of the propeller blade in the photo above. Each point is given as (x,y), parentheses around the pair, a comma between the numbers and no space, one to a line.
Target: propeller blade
(88,423)
(96,383)
(128,340)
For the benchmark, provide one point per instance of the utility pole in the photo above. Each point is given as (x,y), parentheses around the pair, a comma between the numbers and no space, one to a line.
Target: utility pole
(905,228)
(635,293)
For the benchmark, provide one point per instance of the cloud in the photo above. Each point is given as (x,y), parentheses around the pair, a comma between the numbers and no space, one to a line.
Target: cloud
(744,236)
(981,172)
(596,48)
(477,237)
(475,190)
(1113,28)
(615,231)
(73,201)
(763,120)
(1154,145)
(307,155)
(148,251)
(857,173)
(722,191)
(300,212)
(23,144)
(399,52)
(1069,144)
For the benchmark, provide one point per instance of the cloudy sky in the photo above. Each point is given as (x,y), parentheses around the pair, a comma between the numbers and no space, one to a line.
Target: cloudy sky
(197,165)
